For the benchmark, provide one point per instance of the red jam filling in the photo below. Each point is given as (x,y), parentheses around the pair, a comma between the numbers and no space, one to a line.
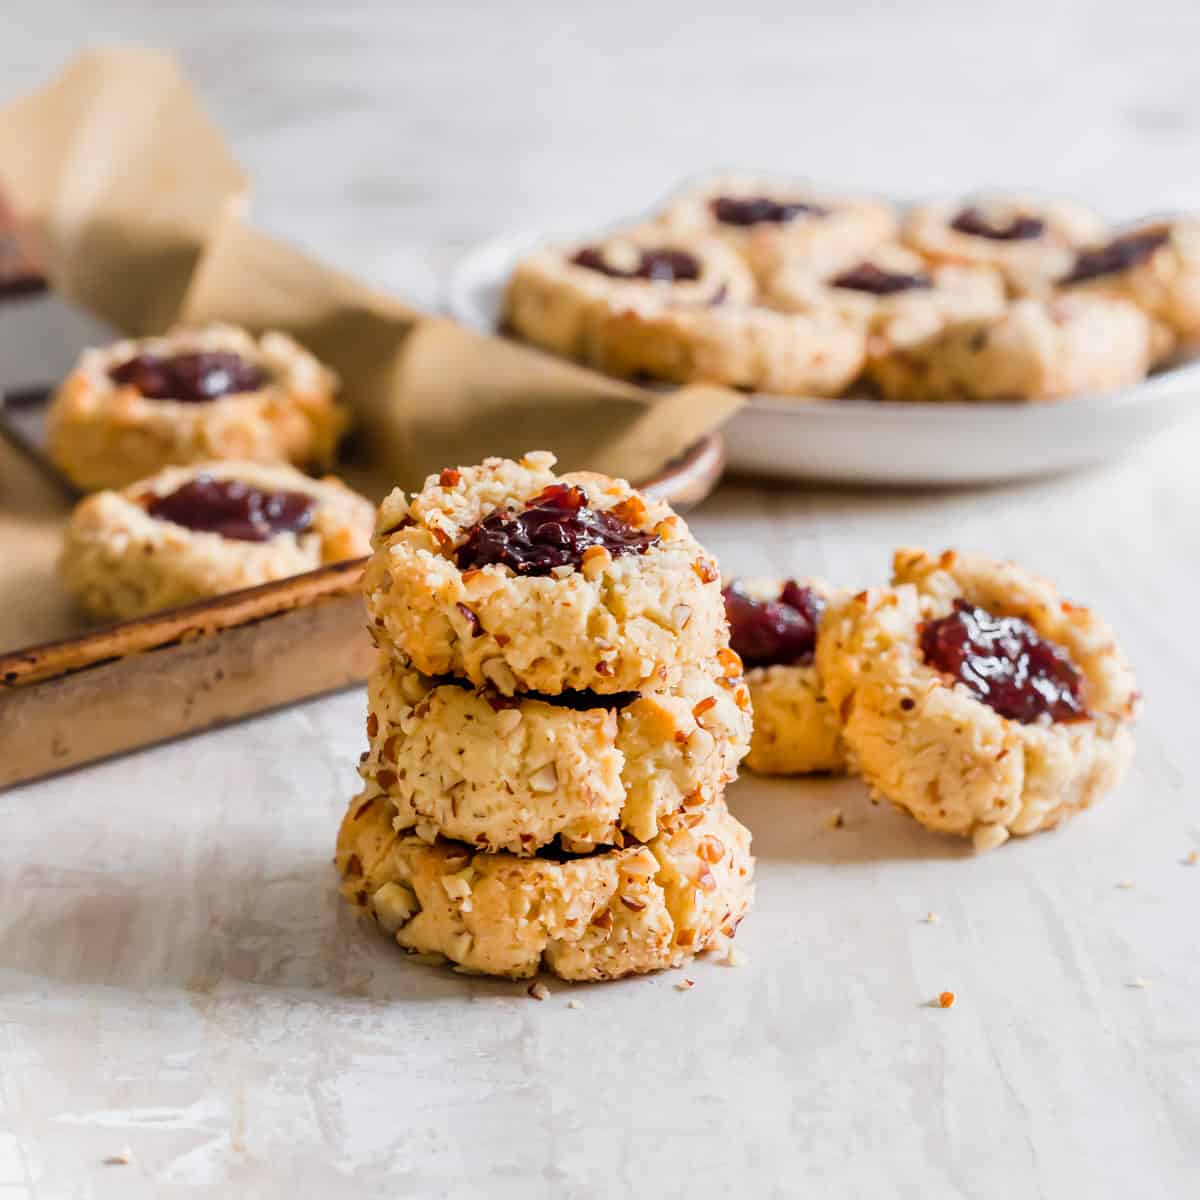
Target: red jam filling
(1005,664)
(659,266)
(553,530)
(192,378)
(867,277)
(760,210)
(766,632)
(234,509)
(1017,229)
(1131,250)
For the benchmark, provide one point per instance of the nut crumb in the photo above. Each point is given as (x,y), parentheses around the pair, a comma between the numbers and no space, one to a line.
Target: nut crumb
(1125,885)
(1138,982)
(574,1002)
(735,958)
(835,820)
(124,1159)
(685,985)
(1192,858)
(946,999)
(538,990)
(931,918)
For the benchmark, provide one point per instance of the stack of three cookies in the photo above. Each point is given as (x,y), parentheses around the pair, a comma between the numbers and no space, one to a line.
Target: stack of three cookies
(553,719)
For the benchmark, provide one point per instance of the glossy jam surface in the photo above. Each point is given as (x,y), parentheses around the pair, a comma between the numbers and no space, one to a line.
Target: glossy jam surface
(193,378)
(234,509)
(553,530)
(1006,664)
(659,266)
(766,632)
(760,210)
(867,277)
(1017,229)
(1119,255)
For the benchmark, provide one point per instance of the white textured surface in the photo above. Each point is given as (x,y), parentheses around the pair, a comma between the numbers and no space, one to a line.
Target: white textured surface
(176,972)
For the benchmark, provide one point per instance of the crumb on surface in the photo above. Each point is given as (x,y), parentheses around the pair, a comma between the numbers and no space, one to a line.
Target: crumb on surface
(1138,982)
(1125,884)
(538,990)
(836,819)
(123,1159)
(685,985)
(946,999)
(931,918)
(1192,858)
(574,1002)
(735,958)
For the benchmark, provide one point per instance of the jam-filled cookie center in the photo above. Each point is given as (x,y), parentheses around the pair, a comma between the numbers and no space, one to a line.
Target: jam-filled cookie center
(1020,227)
(1005,663)
(554,529)
(234,509)
(769,632)
(665,265)
(1131,250)
(867,277)
(761,210)
(193,377)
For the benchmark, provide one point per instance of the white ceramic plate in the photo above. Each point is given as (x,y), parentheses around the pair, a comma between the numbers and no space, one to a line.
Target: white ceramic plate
(865,441)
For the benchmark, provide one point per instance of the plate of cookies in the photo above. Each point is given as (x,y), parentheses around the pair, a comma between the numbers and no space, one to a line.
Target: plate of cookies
(994,337)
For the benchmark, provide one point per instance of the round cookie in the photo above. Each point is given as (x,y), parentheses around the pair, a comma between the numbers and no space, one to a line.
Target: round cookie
(1156,267)
(776,623)
(1035,350)
(557,296)
(192,396)
(769,220)
(487,574)
(515,774)
(976,699)
(750,347)
(618,912)
(1030,239)
(192,532)
(891,292)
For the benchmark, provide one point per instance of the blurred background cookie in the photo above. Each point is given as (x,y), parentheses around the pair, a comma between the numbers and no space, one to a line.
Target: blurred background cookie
(767,219)
(192,532)
(192,396)
(1030,239)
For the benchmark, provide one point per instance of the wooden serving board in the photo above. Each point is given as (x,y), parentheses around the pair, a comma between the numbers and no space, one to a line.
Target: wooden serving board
(78,699)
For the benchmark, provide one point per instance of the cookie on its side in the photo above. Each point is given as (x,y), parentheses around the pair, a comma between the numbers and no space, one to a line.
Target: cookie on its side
(1031,240)
(613,913)
(585,770)
(192,396)
(776,624)
(1035,350)
(509,575)
(188,533)
(768,220)
(976,699)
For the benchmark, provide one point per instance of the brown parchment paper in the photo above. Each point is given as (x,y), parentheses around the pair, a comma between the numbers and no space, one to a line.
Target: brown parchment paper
(138,206)
(123,176)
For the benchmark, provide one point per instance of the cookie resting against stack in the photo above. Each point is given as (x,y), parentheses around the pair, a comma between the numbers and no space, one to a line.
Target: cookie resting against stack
(553,719)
